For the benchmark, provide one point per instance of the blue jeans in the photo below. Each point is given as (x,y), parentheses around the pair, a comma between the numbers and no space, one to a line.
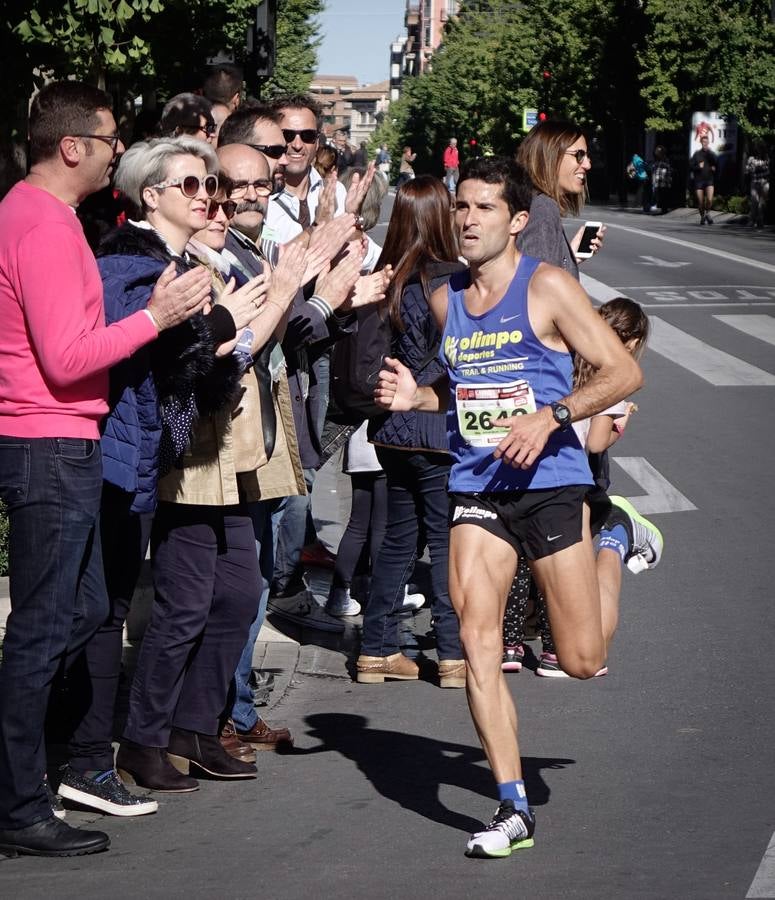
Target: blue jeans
(417,492)
(266,519)
(52,488)
(292,535)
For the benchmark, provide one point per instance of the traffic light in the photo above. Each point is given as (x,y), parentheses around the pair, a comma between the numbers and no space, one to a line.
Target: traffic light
(543,112)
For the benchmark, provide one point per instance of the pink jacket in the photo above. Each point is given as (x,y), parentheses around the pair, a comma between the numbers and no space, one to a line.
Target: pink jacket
(55,350)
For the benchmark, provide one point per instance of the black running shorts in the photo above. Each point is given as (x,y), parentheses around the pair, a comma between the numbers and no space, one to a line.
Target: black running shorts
(535,523)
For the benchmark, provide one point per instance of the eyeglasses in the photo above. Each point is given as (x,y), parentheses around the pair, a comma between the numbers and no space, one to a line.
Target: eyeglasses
(275,151)
(580,155)
(110,139)
(308,135)
(262,186)
(229,208)
(190,184)
(209,128)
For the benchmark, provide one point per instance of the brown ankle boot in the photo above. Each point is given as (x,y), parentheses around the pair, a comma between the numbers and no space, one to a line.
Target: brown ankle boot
(452,673)
(375,669)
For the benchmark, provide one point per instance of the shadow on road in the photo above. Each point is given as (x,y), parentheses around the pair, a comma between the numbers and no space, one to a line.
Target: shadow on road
(409,768)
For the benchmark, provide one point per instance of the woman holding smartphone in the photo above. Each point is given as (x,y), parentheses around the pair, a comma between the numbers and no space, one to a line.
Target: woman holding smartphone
(555,156)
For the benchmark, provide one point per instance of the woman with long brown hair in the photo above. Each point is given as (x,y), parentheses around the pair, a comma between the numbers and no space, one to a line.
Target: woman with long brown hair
(556,158)
(412,447)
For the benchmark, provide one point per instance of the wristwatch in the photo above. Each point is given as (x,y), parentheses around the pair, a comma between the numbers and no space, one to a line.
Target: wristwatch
(561,414)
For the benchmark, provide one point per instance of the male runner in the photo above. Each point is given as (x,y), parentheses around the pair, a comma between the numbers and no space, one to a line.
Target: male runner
(519,476)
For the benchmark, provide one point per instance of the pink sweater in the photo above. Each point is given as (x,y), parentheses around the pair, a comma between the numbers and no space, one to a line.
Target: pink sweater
(55,350)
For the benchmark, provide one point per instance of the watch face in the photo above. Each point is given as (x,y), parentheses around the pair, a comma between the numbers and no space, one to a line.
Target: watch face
(561,413)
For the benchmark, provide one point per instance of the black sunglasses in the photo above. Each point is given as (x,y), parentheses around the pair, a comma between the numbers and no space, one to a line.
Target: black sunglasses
(229,208)
(308,135)
(274,151)
(580,155)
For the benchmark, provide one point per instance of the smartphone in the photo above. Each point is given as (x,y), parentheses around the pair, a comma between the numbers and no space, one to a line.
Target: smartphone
(590,233)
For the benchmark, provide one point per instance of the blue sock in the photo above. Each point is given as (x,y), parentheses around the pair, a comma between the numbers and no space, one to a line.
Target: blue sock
(514,790)
(615,539)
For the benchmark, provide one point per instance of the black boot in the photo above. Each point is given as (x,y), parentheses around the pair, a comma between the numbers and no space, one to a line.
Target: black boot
(149,767)
(206,753)
(51,837)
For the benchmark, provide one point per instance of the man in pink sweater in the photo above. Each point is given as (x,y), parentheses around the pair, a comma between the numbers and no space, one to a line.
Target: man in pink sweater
(54,365)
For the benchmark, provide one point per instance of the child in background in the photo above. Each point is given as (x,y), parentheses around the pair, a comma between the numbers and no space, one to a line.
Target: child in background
(596,434)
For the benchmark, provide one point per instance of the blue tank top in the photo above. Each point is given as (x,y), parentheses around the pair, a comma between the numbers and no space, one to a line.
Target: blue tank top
(498,368)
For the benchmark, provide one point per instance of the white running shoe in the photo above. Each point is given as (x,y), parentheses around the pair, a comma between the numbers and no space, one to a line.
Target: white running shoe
(646,542)
(510,829)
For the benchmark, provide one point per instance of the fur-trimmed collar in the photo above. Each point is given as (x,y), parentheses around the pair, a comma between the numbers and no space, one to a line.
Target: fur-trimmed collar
(129,240)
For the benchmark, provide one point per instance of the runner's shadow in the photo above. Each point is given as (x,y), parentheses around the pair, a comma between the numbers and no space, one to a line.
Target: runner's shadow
(410,768)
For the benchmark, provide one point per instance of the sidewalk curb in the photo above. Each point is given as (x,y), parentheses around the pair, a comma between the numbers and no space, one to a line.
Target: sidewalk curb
(275,651)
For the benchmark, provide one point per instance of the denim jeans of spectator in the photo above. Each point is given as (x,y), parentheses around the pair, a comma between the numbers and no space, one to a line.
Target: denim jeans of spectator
(292,536)
(207,591)
(52,488)
(417,496)
(266,521)
(94,677)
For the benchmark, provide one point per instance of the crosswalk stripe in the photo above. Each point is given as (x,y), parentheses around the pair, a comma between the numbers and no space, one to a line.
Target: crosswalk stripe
(763,884)
(715,366)
(761,327)
(660,496)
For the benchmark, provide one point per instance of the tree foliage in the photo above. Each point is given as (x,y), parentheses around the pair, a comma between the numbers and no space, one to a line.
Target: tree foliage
(298,39)
(614,65)
(702,55)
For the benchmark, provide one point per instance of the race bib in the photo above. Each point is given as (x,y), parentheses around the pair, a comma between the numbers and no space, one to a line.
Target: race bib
(482,408)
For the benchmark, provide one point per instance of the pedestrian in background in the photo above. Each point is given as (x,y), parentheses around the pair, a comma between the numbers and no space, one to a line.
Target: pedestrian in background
(703,171)
(451,162)
(405,170)
(757,170)
(661,180)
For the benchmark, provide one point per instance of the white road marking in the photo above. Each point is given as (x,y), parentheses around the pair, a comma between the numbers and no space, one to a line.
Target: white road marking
(715,366)
(660,496)
(762,327)
(763,884)
(661,263)
(597,290)
(726,305)
(722,254)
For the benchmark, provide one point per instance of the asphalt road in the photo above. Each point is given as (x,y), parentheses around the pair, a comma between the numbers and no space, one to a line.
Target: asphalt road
(656,781)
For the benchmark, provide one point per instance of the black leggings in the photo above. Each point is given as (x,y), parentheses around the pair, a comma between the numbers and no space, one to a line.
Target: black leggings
(523,589)
(367,524)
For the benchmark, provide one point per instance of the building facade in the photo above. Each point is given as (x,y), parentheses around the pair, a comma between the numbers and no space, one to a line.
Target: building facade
(354,108)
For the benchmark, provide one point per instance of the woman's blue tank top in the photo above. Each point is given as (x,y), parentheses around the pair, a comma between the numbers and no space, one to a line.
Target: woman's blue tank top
(497,368)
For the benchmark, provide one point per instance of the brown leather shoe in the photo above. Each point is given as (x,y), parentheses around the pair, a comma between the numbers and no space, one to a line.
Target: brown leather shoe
(263,737)
(234,746)
(452,673)
(375,669)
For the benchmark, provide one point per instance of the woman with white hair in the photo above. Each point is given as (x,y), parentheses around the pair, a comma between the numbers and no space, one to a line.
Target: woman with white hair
(205,568)
(155,398)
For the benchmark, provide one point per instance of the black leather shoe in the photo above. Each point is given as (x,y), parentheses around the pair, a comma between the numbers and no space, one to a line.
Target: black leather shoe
(149,767)
(204,751)
(51,837)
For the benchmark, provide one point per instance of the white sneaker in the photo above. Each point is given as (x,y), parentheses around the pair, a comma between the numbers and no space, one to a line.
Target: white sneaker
(510,829)
(340,603)
(413,601)
(646,541)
